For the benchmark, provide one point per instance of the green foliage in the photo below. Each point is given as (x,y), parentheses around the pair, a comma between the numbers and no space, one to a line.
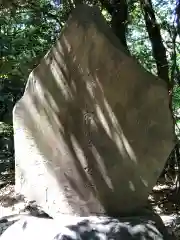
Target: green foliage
(176,99)
(25,37)
(6,130)
(26,34)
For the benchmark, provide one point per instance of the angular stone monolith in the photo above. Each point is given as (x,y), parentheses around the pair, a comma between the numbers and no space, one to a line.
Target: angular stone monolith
(93,129)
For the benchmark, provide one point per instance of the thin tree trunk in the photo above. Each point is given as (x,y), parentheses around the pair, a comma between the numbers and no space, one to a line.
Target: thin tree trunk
(158,49)
(178,16)
(119,20)
(118,9)
(77,2)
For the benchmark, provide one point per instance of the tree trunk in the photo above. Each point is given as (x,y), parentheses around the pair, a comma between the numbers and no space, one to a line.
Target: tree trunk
(118,9)
(178,16)
(158,49)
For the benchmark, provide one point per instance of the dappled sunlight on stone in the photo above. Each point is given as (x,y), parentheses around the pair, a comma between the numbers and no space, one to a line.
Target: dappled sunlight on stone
(128,148)
(116,133)
(131,185)
(103,120)
(102,167)
(144,181)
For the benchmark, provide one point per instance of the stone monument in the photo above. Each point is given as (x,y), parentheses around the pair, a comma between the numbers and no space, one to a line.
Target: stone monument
(93,129)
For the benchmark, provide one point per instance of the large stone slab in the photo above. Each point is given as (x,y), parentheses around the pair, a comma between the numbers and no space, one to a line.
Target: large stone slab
(93,129)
